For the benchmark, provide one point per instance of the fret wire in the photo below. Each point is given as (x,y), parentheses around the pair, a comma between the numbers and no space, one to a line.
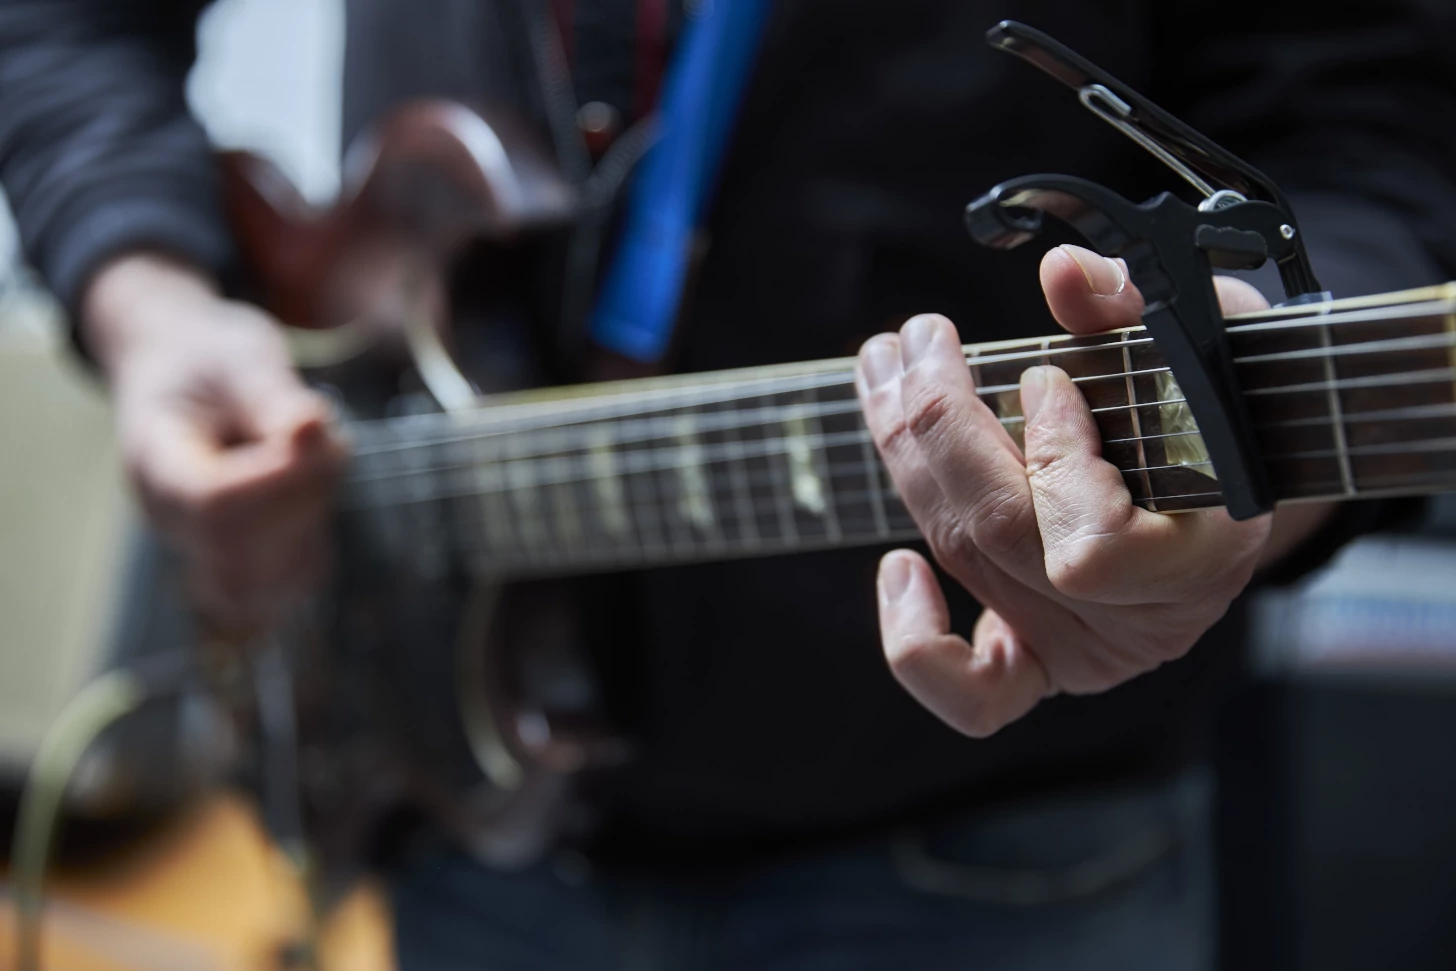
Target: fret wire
(1137,425)
(742,497)
(1337,422)
(699,470)
(819,458)
(652,509)
(782,490)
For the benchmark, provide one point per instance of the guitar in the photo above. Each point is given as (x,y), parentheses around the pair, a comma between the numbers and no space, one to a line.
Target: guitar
(440,669)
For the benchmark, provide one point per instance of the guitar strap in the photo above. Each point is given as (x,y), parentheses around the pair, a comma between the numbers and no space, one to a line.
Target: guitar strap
(702,90)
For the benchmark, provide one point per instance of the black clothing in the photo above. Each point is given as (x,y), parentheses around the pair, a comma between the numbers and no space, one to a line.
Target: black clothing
(760,698)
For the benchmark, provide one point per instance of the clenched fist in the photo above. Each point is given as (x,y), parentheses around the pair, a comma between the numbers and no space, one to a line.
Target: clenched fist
(232,456)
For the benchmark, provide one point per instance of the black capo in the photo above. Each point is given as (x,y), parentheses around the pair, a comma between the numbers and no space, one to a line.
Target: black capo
(1171,247)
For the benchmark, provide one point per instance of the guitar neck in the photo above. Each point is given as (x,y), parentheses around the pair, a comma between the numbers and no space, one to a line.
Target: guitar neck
(1350,399)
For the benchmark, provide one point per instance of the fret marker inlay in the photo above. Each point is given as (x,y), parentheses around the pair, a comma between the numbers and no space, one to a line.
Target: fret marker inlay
(804,481)
(1183,449)
(601,460)
(695,504)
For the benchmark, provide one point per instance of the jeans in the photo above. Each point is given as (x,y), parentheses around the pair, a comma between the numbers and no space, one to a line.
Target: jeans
(1119,880)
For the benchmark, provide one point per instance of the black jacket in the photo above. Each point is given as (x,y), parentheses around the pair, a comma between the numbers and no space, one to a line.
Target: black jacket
(757,687)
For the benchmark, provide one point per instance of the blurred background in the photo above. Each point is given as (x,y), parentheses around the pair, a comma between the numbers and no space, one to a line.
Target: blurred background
(1338,819)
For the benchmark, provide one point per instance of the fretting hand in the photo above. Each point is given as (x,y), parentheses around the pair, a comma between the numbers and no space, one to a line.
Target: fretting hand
(1082,589)
(230,453)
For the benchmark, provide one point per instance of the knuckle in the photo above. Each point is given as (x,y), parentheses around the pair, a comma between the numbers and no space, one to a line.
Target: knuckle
(927,410)
(1081,568)
(893,437)
(1003,521)
(952,544)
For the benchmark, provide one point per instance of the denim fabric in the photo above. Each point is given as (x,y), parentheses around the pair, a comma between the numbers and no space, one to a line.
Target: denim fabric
(1118,881)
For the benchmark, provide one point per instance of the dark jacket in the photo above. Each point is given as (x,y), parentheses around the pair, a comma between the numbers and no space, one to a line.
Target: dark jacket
(757,687)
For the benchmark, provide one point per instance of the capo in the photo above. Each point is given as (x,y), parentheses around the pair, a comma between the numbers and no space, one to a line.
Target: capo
(1171,247)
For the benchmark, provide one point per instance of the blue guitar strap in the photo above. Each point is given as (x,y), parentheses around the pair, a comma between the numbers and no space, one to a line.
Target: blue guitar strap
(705,82)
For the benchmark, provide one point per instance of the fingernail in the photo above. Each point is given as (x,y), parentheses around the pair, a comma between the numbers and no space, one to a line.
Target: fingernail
(880,360)
(1033,392)
(1104,276)
(915,337)
(894,577)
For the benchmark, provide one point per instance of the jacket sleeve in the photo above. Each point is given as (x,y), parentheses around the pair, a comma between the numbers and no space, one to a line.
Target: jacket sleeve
(1351,107)
(98,153)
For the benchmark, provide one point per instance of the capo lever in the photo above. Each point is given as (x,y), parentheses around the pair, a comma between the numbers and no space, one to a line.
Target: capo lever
(1171,247)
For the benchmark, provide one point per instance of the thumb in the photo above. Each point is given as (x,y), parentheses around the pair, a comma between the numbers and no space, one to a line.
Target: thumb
(275,407)
(975,687)
(1089,293)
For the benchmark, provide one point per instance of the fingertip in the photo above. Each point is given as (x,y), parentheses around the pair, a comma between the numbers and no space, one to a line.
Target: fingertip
(911,600)
(894,575)
(921,333)
(1088,293)
(878,363)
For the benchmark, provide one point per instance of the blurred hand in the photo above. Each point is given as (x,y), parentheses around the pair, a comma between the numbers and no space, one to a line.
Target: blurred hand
(231,454)
(1082,589)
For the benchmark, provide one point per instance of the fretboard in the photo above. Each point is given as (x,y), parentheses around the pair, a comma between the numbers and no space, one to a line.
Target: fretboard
(1349,399)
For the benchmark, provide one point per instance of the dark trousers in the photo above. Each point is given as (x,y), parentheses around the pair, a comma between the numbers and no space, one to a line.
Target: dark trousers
(1120,880)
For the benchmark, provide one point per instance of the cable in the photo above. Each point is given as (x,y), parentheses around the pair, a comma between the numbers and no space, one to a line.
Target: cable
(99,705)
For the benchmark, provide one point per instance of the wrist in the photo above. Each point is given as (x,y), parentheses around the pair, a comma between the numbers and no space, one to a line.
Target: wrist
(138,298)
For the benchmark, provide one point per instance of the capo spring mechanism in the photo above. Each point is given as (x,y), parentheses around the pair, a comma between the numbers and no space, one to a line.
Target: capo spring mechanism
(1171,247)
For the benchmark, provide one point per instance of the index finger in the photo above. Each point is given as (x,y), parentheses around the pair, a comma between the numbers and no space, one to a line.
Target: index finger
(976,464)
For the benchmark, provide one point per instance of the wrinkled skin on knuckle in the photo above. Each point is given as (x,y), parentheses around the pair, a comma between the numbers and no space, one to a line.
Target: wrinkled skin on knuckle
(1003,520)
(1083,566)
(894,438)
(927,411)
(954,548)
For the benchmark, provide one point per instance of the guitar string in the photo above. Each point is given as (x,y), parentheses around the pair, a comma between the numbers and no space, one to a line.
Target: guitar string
(693,385)
(710,387)
(448,429)
(690,542)
(478,478)
(671,429)
(639,551)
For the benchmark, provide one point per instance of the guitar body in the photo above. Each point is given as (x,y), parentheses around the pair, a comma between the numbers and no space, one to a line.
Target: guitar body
(423,686)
